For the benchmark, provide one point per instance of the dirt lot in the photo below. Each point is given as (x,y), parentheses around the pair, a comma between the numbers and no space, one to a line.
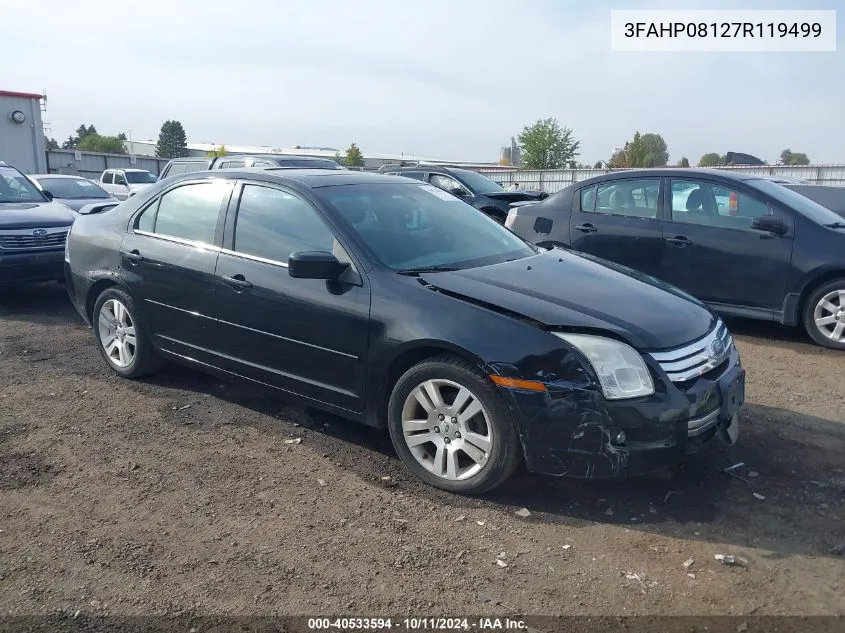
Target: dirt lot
(180,494)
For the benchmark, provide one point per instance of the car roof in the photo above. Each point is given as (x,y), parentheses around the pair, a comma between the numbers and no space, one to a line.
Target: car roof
(310,178)
(671,172)
(68,176)
(256,156)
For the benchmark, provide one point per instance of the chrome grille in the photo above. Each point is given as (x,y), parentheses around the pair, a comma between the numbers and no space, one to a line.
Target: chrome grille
(693,360)
(27,239)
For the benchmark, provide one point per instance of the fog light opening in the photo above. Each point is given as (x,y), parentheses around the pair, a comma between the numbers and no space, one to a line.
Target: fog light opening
(620,438)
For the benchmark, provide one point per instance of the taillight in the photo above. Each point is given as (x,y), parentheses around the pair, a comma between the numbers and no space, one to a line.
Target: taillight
(511,218)
(733,204)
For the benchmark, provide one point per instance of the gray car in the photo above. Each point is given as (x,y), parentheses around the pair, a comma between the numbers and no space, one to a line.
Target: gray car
(72,191)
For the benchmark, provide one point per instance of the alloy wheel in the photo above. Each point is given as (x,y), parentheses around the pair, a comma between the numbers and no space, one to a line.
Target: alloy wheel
(447,429)
(117,333)
(829,316)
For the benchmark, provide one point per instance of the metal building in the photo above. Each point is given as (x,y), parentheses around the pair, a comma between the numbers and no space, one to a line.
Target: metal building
(22,131)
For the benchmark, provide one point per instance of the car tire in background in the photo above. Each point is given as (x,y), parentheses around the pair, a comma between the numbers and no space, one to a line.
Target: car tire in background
(824,314)
(121,339)
(452,428)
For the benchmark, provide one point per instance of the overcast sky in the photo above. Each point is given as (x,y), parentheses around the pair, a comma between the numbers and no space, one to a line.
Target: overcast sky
(450,79)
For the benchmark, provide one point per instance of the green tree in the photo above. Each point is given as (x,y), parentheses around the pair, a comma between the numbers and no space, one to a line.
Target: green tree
(788,157)
(104,144)
(354,157)
(70,143)
(644,150)
(172,142)
(50,143)
(82,131)
(121,136)
(218,151)
(340,160)
(684,162)
(547,145)
(710,159)
(599,164)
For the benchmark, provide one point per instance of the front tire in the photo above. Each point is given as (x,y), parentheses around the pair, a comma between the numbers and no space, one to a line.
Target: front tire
(452,428)
(824,314)
(121,339)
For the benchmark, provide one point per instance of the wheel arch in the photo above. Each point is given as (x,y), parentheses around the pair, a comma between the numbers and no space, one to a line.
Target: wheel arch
(383,380)
(97,289)
(815,282)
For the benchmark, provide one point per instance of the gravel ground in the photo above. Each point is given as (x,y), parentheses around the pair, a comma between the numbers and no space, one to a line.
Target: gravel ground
(184,494)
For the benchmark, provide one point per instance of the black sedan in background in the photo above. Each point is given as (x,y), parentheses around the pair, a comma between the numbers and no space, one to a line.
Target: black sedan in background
(72,191)
(471,187)
(387,302)
(744,244)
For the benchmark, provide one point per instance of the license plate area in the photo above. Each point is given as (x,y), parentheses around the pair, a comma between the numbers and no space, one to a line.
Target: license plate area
(733,394)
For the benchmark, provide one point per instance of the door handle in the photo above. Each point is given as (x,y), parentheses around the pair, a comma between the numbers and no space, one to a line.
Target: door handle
(238,282)
(680,241)
(133,256)
(586,228)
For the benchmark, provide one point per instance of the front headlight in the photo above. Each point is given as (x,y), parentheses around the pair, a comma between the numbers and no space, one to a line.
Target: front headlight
(620,368)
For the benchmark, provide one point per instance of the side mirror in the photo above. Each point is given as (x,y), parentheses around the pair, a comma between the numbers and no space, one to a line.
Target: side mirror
(457,191)
(315,265)
(769,223)
(47,194)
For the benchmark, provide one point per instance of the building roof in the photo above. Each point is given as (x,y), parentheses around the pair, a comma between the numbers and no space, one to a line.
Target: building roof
(23,95)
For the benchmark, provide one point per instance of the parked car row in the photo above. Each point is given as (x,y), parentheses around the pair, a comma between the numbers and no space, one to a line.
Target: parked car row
(563,343)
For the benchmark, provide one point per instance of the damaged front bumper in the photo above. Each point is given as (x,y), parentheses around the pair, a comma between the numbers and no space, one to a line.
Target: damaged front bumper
(572,430)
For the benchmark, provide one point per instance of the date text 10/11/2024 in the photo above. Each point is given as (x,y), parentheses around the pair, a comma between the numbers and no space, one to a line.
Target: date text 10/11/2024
(416,624)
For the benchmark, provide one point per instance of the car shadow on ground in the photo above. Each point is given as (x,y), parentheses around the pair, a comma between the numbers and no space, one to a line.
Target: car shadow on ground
(788,494)
(43,304)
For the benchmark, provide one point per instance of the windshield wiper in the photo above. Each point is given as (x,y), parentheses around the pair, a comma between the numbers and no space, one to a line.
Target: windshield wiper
(427,269)
(836,225)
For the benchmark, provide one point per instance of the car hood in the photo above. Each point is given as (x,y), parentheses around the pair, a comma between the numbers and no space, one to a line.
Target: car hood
(34,215)
(568,291)
(516,196)
(140,186)
(77,203)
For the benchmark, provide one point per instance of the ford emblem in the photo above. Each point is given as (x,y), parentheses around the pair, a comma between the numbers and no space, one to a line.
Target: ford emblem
(39,233)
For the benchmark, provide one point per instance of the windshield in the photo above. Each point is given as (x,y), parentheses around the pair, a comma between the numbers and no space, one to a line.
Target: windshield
(418,226)
(72,188)
(802,204)
(476,182)
(15,187)
(140,177)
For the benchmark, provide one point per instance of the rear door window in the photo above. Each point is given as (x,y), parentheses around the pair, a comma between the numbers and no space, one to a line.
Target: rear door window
(632,198)
(189,212)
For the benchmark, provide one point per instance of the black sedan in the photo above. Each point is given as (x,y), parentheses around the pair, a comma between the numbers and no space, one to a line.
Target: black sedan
(388,302)
(471,187)
(745,244)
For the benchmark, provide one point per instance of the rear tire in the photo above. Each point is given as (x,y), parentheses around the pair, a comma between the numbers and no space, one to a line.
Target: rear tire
(121,339)
(824,314)
(452,428)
